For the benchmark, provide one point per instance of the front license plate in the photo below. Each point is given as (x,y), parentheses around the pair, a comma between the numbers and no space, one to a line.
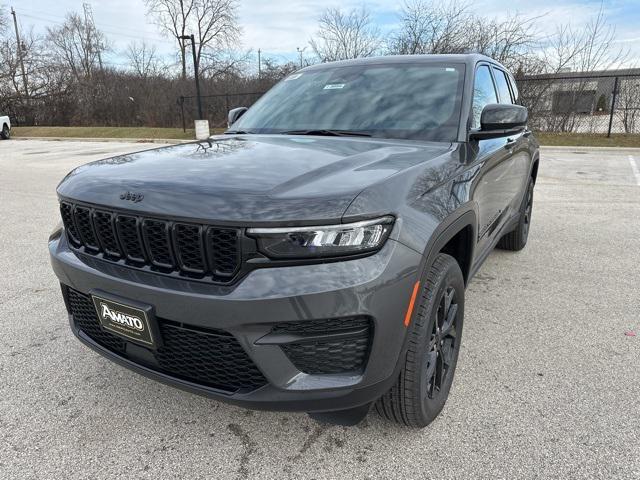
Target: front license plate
(126,320)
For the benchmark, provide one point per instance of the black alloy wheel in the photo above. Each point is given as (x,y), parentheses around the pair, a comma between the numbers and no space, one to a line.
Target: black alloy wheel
(443,343)
(517,238)
(434,337)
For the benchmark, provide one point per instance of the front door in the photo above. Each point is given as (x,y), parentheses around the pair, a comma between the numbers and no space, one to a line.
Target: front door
(493,191)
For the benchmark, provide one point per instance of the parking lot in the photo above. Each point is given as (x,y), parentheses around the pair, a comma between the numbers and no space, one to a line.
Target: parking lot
(547,386)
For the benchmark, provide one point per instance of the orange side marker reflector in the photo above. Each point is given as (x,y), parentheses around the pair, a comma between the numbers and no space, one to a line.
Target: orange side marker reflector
(407,317)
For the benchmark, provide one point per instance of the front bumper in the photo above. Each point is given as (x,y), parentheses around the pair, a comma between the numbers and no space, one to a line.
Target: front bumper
(377,286)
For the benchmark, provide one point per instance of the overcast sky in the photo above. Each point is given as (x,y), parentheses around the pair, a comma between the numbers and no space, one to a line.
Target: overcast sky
(278,27)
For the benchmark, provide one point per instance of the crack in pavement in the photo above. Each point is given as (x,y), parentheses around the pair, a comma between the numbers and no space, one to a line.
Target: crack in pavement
(249,447)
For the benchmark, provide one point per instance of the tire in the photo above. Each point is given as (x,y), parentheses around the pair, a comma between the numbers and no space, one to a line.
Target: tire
(5,133)
(517,238)
(423,385)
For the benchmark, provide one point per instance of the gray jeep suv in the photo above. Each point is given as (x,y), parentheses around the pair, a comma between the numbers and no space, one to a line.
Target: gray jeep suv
(314,258)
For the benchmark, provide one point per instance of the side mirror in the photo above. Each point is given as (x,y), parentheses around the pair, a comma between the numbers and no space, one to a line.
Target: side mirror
(499,120)
(235,114)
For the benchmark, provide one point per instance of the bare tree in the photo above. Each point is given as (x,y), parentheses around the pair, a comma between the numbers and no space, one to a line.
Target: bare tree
(595,45)
(78,45)
(450,27)
(274,71)
(427,27)
(217,32)
(559,105)
(628,104)
(586,48)
(173,17)
(511,41)
(342,36)
(3,19)
(143,59)
(46,79)
(214,24)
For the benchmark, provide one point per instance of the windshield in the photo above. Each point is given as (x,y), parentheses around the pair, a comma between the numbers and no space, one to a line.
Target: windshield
(409,101)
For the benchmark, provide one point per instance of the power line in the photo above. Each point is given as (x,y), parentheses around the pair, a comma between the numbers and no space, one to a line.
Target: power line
(63,17)
(136,37)
(60,23)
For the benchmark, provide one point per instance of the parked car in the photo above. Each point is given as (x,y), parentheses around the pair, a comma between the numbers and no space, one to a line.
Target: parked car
(5,128)
(315,257)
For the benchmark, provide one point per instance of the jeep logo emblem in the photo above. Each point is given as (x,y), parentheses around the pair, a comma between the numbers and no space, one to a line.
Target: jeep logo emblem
(132,197)
(130,321)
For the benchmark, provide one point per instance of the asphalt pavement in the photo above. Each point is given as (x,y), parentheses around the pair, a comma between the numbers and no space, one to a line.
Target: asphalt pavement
(547,386)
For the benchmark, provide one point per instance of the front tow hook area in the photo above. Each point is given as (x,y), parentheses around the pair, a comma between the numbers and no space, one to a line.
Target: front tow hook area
(344,418)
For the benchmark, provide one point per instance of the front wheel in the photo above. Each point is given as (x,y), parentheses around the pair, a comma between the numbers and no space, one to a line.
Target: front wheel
(423,386)
(5,133)
(517,238)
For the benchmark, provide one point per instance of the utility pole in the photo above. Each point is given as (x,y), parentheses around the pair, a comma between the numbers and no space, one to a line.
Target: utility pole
(259,64)
(92,31)
(20,49)
(301,51)
(195,72)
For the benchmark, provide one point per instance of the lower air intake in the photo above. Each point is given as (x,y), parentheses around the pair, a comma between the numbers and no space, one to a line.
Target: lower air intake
(328,346)
(208,357)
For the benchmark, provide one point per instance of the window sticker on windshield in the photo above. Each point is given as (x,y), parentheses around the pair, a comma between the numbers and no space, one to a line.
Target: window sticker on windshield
(295,76)
(449,69)
(334,86)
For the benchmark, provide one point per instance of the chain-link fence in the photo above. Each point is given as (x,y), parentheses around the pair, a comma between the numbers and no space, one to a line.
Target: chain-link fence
(214,107)
(598,103)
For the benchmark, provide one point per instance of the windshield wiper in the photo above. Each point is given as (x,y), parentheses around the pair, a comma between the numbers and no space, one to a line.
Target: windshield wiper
(328,133)
(238,132)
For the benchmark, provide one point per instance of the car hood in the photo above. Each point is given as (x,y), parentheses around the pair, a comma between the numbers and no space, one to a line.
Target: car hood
(254,179)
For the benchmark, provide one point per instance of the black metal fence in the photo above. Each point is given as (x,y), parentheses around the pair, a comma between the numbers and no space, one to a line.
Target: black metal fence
(215,107)
(599,103)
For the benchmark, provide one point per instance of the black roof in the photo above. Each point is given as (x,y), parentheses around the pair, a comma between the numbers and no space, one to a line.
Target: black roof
(469,59)
(622,72)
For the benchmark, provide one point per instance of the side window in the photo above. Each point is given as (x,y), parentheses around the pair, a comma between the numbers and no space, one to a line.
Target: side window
(503,86)
(514,88)
(484,93)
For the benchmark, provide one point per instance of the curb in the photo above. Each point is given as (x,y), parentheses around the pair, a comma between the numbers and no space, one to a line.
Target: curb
(123,140)
(590,149)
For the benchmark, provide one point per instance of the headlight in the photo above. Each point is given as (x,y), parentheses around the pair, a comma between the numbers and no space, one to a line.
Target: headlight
(323,241)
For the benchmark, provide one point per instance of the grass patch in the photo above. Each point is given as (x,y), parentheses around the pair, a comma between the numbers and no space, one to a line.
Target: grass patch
(587,140)
(104,132)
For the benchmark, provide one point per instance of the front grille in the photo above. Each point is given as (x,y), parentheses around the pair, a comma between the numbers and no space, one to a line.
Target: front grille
(339,345)
(129,235)
(66,211)
(105,230)
(209,357)
(87,234)
(187,249)
(158,242)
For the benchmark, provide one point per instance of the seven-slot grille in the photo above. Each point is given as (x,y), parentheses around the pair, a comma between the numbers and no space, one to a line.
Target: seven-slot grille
(188,249)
